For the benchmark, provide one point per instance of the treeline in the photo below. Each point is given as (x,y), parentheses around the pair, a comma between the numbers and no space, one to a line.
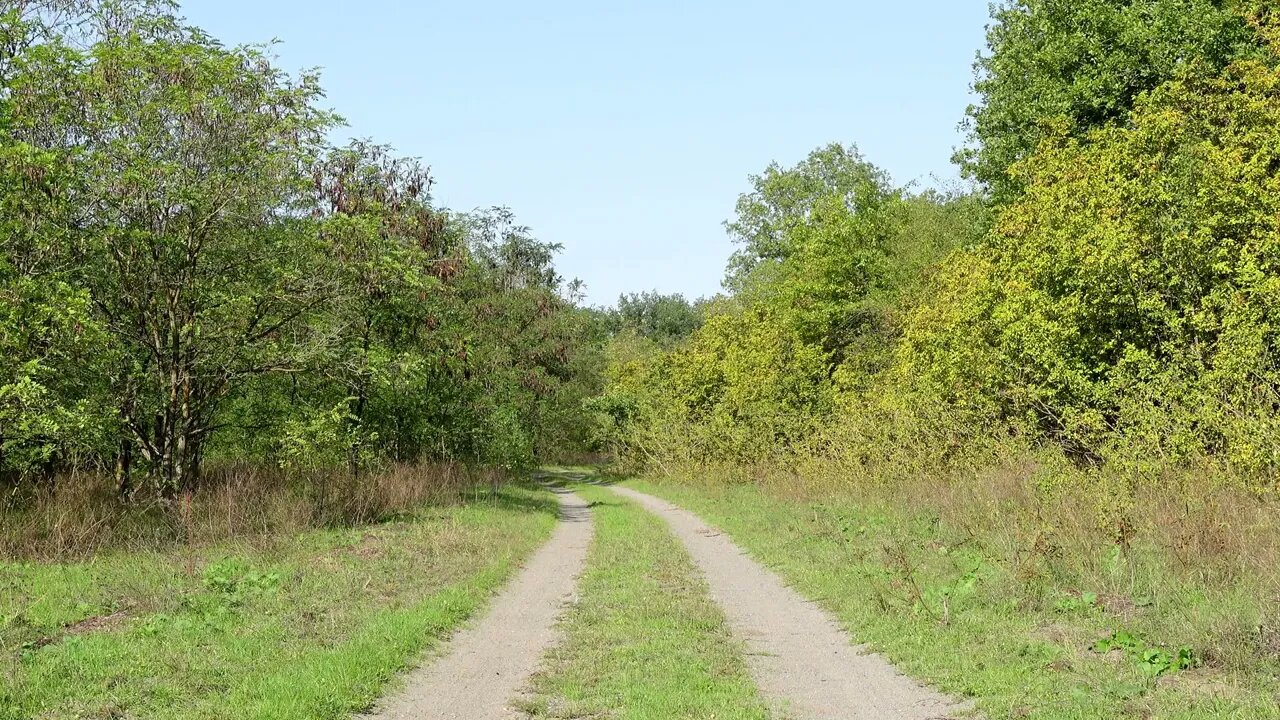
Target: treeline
(1109,286)
(191,274)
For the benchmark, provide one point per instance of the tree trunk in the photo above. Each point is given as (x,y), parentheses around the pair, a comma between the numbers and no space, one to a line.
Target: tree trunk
(362,396)
(124,470)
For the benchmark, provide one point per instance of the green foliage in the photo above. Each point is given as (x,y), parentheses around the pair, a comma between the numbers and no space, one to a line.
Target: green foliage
(1129,298)
(183,233)
(831,255)
(1084,602)
(1121,306)
(189,273)
(746,384)
(1084,63)
(666,319)
(53,397)
(1153,661)
(781,199)
(233,579)
(531,354)
(1003,403)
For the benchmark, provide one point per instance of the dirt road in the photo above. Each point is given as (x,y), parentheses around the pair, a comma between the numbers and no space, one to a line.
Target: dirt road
(485,665)
(800,658)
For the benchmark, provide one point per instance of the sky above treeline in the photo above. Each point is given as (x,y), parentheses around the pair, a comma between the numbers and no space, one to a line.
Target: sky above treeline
(626,131)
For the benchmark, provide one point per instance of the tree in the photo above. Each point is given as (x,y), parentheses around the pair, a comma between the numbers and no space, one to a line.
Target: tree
(666,319)
(390,255)
(1131,297)
(756,375)
(189,272)
(54,405)
(511,256)
(782,198)
(745,386)
(527,347)
(1086,62)
(187,166)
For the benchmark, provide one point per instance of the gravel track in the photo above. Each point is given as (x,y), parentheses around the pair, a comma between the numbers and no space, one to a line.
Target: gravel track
(485,664)
(801,660)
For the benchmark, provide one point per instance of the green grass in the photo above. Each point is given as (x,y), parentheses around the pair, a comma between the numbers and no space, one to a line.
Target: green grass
(310,626)
(947,612)
(643,640)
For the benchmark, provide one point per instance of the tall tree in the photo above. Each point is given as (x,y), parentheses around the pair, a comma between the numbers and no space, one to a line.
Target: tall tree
(390,254)
(783,198)
(1131,296)
(54,408)
(666,319)
(526,341)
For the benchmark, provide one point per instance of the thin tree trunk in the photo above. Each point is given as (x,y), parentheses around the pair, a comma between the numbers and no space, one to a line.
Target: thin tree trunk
(362,396)
(124,469)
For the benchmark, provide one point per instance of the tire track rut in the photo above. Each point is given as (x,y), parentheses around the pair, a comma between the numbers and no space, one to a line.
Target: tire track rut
(800,658)
(484,666)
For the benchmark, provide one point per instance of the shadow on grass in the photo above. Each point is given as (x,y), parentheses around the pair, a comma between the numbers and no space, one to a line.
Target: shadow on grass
(556,476)
(507,500)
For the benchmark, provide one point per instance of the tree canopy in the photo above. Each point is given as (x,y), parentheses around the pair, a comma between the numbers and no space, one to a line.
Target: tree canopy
(191,273)
(1110,289)
(1081,64)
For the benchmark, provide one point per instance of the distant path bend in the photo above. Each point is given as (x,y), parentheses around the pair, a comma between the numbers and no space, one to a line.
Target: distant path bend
(797,654)
(485,665)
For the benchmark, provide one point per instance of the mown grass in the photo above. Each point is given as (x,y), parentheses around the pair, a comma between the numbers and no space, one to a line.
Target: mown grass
(643,641)
(311,625)
(980,611)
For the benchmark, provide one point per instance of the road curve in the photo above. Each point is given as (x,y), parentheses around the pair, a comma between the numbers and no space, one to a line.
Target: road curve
(801,660)
(485,664)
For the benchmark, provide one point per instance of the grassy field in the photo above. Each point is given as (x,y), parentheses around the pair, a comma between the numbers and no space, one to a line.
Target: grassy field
(303,626)
(947,606)
(643,641)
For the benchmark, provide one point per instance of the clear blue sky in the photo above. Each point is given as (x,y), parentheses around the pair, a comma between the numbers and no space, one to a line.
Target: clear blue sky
(626,130)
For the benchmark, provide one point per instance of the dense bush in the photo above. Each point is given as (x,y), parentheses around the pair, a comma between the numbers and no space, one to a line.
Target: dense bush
(1128,300)
(1120,306)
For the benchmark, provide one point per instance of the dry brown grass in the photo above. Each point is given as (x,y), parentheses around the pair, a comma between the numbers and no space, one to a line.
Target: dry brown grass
(1200,544)
(1204,524)
(80,515)
(1187,557)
